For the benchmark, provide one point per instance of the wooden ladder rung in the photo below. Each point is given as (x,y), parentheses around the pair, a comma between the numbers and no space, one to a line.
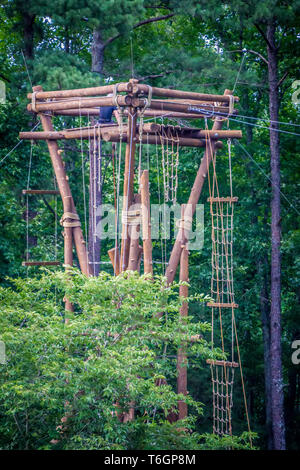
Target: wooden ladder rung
(41,263)
(40,191)
(222,199)
(217,304)
(222,363)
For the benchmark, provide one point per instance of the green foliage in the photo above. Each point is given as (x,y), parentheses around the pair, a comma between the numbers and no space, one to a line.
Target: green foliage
(198,49)
(109,355)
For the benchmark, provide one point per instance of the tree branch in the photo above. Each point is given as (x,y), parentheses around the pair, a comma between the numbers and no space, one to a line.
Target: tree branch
(137,25)
(282,78)
(261,31)
(252,52)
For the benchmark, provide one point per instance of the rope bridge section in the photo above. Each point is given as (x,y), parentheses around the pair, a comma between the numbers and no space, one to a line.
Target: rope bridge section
(224,305)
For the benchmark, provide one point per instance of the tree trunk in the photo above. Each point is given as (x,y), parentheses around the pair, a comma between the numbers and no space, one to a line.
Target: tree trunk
(95,170)
(265,319)
(28,35)
(278,424)
(97,52)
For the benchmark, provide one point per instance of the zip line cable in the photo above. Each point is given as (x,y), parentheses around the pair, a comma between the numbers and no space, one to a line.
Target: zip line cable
(203,111)
(239,71)
(266,176)
(24,59)
(16,146)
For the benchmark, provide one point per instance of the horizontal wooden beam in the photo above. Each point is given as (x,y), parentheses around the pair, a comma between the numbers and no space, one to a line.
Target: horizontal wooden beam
(200,110)
(83,133)
(152,139)
(166,92)
(93,111)
(197,133)
(40,191)
(222,363)
(41,263)
(155,140)
(93,91)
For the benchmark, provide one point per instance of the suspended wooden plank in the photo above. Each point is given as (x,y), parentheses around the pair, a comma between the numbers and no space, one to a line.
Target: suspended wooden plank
(40,191)
(222,199)
(222,305)
(222,363)
(41,263)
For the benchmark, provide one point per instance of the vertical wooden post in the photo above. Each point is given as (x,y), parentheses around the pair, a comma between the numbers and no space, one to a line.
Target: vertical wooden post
(146,222)
(181,355)
(114,256)
(193,200)
(68,245)
(64,189)
(134,231)
(128,182)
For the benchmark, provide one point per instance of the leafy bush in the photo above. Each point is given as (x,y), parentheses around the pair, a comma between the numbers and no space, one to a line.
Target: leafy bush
(66,384)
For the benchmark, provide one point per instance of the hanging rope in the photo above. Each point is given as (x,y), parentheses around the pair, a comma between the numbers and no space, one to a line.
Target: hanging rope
(83,180)
(27,202)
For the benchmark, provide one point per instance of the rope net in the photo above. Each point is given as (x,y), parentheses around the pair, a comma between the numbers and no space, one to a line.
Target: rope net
(222,386)
(222,291)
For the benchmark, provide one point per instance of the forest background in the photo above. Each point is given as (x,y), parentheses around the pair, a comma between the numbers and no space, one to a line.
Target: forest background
(191,45)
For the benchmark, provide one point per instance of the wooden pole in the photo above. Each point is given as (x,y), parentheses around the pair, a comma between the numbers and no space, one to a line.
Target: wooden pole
(111,137)
(128,184)
(93,91)
(64,189)
(155,140)
(146,222)
(134,232)
(68,245)
(40,191)
(201,109)
(181,355)
(111,134)
(78,103)
(166,92)
(193,200)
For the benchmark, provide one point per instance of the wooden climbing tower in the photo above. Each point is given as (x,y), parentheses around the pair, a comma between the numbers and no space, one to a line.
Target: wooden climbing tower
(145,117)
